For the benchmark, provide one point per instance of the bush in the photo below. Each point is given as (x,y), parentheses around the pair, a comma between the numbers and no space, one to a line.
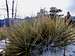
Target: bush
(29,38)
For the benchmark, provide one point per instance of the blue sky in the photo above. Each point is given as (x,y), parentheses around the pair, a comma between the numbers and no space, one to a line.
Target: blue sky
(31,7)
(71,7)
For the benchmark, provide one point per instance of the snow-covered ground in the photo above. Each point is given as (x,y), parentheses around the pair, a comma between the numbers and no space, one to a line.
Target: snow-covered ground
(2,45)
(70,50)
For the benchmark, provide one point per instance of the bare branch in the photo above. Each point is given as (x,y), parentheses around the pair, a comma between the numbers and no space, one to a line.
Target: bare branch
(12,8)
(7,8)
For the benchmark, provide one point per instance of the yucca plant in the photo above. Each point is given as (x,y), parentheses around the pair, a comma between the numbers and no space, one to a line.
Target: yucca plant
(30,38)
(22,39)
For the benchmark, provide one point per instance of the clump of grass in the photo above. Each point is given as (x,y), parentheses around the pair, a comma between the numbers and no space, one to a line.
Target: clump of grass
(29,38)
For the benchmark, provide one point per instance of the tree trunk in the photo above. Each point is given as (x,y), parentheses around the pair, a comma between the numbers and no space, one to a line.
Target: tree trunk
(12,9)
(7,8)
